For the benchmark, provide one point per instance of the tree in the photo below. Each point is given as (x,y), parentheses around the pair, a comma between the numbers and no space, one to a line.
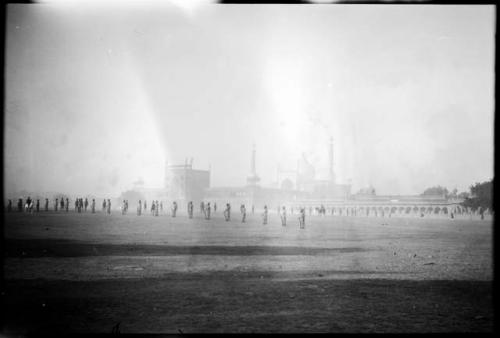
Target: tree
(480,196)
(436,191)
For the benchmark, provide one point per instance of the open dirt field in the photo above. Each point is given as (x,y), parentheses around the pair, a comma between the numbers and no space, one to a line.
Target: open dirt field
(70,272)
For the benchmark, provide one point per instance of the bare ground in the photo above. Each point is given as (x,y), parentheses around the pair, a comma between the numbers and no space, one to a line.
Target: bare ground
(86,273)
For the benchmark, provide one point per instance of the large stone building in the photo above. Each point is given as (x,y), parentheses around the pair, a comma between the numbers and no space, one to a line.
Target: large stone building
(184,184)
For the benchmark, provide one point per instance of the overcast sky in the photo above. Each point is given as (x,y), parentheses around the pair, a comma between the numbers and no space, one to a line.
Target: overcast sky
(99,97)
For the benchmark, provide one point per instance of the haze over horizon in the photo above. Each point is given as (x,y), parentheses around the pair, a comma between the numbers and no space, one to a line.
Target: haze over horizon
(97,98)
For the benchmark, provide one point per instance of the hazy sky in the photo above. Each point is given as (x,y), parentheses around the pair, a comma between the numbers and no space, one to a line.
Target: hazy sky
(99,97)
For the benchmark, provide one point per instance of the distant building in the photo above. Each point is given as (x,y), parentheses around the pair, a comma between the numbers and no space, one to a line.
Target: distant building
(184,184)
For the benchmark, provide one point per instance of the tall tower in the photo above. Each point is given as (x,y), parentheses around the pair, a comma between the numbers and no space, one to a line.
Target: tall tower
(330,153)
(253,179)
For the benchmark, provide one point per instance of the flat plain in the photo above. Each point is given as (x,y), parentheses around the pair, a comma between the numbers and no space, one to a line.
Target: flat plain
(98,273)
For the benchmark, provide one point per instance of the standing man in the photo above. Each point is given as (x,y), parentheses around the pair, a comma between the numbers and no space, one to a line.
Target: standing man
(190,209)
(145,205)
(283,216)
(86,204)
(37,205)
(139,208)
(103,205)
(243,213)
(67,204)
(109,206)
(264,215)
(174,208)
(9,206)
(227,212)
(208,210)
(302,218)
(93,205)
(62,203)
(157,207)
(57,201)
(215,207)
(46,204)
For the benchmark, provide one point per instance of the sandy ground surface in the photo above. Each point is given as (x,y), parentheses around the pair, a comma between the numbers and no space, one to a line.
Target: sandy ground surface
(276,274)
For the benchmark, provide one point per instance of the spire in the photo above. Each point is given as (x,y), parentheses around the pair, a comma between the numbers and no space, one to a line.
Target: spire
(330,153)
(252,179)
(252,165)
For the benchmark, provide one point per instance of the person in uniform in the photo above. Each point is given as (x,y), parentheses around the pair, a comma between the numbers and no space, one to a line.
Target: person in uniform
(283,216)
(264,215)
(243,213)
(302,218)
(208,211)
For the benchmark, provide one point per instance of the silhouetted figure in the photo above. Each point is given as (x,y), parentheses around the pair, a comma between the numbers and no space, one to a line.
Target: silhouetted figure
(109,206)
(139,208)
(302,218)
(157,207)
(37,205)
(27,206)
(86,204)
(215,207)
(208,211)
(174,208)
(67,204)
(92,206)
(264,215)
(20,205)
(46,204)
(202,207)
(104,205)
(56,204)
(145,205)
(283,216)
(243,211)
(190,209)
(9,206)
(153,208)
(227,212)
(62,204)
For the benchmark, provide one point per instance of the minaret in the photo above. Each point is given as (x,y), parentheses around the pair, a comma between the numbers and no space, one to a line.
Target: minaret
(252,179)
(330,153)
